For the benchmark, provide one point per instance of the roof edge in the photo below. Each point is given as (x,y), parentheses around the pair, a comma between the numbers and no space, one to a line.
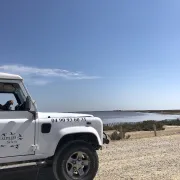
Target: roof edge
(10,76)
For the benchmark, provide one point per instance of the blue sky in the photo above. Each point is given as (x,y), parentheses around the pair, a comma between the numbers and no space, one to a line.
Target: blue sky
(94,55)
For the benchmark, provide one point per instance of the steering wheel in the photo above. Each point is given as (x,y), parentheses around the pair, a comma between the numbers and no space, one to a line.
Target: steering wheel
(20,107)
(17,107)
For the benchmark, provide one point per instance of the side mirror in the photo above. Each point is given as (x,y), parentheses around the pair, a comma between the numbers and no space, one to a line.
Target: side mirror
(28,104)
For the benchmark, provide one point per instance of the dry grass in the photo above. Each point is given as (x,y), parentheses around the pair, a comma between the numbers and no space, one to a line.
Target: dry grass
(169,130)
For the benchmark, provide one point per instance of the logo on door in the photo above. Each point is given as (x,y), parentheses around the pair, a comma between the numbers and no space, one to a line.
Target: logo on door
(10,139)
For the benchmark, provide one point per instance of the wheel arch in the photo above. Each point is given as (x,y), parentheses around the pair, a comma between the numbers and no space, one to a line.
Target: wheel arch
(85,136)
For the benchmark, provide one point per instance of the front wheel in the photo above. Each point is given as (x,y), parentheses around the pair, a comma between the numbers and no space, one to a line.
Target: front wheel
(77,160)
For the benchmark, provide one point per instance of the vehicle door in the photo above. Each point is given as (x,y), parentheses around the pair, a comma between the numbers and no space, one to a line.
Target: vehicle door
(17,133)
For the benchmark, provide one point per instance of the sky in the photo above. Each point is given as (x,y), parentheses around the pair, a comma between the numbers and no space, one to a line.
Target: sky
(94,55)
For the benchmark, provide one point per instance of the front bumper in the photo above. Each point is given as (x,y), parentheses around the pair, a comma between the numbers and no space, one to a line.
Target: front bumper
(105,138)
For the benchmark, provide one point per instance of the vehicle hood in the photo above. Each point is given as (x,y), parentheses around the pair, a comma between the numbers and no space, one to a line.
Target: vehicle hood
(45,115)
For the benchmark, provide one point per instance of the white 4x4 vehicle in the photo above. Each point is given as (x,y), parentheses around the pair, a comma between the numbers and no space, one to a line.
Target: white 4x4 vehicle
(65,141)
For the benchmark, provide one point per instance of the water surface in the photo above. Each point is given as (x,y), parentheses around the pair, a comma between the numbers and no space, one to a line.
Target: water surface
(120,116)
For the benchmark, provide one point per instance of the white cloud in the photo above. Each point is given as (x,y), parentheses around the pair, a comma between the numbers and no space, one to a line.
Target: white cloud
(39,82)
(42,76)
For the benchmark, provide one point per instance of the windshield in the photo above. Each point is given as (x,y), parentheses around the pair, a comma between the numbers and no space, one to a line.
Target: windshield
(19,93)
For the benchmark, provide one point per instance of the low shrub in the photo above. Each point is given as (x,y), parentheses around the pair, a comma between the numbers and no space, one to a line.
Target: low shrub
(139,126)
(116,135)
(175,122)
(128,136)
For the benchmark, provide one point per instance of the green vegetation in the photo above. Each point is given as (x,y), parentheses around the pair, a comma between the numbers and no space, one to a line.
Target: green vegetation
(141,126)
(175,122)
(170,112)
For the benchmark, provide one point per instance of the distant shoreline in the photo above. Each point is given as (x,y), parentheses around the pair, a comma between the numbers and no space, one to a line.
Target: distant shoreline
(167,112)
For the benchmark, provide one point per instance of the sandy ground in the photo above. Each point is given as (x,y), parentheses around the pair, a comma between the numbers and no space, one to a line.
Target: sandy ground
(142,158)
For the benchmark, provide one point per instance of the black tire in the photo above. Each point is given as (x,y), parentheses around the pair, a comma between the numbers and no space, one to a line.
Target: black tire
(61,158)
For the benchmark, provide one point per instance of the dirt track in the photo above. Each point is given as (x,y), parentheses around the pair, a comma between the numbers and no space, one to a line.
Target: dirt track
(146,158)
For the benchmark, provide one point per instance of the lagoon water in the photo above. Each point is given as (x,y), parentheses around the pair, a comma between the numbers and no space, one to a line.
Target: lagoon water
(116,117)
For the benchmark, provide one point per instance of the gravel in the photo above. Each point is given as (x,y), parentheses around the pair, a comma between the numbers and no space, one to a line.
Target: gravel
(153,158)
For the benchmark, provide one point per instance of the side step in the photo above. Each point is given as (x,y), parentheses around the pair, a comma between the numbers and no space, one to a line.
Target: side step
(20,165)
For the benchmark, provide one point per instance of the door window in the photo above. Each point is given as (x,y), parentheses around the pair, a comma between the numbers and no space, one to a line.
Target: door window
(5,97)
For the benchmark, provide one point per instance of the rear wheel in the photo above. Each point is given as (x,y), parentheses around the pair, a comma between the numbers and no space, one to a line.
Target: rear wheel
(78,160)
